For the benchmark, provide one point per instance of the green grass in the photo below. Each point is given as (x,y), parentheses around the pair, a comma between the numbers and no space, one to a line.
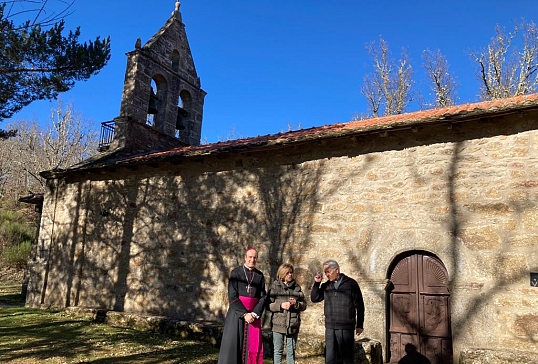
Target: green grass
(11,295)
(36,336)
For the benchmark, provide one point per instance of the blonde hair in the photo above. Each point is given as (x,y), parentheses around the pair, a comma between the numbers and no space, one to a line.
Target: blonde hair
(283,270)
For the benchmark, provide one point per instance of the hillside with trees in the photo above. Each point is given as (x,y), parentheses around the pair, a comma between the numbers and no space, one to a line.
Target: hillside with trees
(65,140)
(39,60)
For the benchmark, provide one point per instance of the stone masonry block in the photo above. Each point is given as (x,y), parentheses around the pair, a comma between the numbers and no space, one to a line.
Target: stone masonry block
(481,238)
(485,356)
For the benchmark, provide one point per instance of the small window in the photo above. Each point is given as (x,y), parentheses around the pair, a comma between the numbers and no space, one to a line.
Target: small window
(175,60)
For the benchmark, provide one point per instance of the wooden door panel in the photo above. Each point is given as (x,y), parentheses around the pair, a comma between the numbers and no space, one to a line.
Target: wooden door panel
(395,353)
(397,345)
(419,309)
(438,350)
(446,351)
(404,276)
(435,315)
(433,276)
(403,313)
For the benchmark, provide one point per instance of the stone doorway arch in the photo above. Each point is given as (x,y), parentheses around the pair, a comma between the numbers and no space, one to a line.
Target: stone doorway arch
(419,309)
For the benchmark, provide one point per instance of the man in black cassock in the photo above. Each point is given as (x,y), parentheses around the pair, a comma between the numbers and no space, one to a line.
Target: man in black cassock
(242,336)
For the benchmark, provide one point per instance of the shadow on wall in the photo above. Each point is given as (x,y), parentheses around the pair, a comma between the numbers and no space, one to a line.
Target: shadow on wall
(160,244)
(160,240)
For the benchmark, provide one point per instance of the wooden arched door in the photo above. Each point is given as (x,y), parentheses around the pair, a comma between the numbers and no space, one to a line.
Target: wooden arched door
(419,309)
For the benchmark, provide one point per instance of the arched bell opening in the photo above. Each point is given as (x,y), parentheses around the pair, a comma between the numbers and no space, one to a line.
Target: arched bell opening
(184,111)
(152,105)
(157,102)
(418,310)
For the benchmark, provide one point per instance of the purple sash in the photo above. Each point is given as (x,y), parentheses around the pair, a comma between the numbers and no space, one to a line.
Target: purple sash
(255,344)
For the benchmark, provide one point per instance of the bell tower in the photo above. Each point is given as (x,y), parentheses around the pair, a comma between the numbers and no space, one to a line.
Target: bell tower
(162,89)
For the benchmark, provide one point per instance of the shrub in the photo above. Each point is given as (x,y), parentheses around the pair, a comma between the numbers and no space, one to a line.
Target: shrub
(17,255)
(11,215)
(18,211)
(16,227)
(15,232)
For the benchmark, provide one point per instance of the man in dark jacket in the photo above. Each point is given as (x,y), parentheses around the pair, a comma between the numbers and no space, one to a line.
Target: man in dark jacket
(344,312)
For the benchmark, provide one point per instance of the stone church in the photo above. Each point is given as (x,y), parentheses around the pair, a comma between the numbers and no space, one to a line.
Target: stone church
(434,213)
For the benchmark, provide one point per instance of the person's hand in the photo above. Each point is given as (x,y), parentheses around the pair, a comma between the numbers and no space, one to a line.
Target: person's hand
(358,331)
(285,305)
(249,318)
(317,277)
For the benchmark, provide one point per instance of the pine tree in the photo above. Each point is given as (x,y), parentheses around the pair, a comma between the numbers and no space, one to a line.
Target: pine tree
(37,63)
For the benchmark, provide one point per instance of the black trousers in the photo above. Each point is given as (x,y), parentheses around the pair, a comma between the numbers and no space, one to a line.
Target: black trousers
(339,346)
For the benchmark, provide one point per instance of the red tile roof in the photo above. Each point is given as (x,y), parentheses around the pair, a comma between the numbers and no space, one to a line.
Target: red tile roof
(452,114)
(448,114)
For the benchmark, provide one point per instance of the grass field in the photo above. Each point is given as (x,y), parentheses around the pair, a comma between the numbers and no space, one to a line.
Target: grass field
(35,336)
(11,295)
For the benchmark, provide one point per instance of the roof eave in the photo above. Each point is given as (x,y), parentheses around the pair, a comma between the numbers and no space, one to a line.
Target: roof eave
(333,131)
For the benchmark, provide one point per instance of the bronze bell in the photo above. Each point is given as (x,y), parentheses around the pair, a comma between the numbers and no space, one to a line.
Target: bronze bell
(180,120)
(152,107)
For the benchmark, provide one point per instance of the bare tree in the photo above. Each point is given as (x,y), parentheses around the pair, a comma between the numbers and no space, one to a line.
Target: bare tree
(372,91)
(41,12)
(68,141)
(64,142)
(443,85)
(388,88)
(506,71)
(5,166)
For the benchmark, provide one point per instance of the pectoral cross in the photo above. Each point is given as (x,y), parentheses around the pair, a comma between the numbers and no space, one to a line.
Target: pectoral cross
(249,281)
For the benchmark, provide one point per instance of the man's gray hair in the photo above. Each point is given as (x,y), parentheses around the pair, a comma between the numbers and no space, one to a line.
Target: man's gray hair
(332,264)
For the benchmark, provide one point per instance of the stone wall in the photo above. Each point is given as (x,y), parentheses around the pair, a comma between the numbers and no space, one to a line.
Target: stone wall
(134,137)
(161,239)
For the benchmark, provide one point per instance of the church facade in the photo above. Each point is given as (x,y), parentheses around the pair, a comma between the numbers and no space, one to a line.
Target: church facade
(434,213)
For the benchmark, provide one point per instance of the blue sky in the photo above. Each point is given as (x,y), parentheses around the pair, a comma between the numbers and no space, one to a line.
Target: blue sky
(268,66)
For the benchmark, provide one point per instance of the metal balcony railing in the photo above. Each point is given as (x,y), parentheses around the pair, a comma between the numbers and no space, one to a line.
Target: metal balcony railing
(107,135)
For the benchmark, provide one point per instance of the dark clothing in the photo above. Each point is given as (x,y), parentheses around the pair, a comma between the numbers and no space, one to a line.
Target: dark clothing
(233,346)
(416,358)
(285,321)
(412,356)
(339,346)
(344,312)
(344,307)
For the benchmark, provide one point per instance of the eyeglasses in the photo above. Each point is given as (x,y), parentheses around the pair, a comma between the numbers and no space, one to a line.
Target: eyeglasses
(289,273)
